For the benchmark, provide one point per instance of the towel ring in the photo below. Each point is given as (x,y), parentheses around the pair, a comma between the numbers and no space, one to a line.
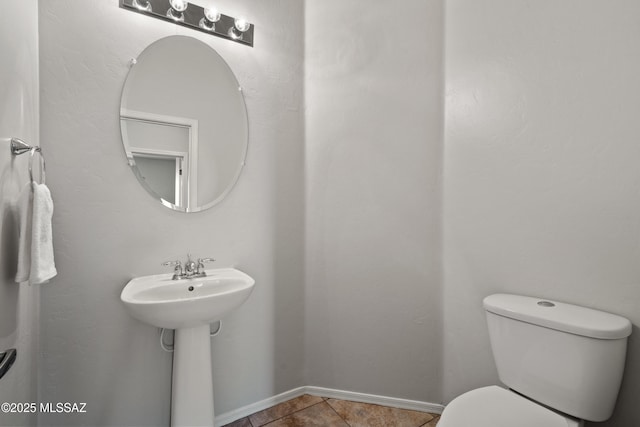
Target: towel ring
(19,147)
(43,166)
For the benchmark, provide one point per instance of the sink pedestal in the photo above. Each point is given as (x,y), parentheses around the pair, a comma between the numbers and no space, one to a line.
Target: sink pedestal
(188,306)
(192,383)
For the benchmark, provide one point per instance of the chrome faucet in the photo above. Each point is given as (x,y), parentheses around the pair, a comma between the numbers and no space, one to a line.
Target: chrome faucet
(190,270)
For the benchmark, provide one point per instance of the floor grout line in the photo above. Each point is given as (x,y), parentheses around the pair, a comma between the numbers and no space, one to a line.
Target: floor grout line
(339,416)
(435,417)
(285,416)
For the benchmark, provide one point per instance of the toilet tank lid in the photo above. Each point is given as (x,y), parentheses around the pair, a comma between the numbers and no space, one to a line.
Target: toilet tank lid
(560,316)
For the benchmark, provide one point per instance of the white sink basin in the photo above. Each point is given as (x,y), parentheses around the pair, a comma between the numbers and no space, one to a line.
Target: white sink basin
(176,304)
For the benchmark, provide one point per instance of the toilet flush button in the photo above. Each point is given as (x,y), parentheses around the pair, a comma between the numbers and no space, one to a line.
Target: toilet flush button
(546,304)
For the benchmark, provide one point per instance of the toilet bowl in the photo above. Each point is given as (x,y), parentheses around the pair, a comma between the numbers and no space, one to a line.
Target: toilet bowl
(494,406)
(562,364)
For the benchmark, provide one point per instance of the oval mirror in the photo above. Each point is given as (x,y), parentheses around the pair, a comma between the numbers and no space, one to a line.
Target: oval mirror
(184,123)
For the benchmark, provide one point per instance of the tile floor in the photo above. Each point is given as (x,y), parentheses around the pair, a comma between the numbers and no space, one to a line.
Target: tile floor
(313,411)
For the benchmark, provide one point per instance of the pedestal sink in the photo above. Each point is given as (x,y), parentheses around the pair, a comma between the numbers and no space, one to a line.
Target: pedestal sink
(188,306)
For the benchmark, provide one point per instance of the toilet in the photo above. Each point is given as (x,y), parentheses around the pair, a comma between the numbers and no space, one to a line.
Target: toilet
(562,363)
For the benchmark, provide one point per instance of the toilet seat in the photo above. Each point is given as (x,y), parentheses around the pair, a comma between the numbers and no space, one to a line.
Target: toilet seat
(494,406)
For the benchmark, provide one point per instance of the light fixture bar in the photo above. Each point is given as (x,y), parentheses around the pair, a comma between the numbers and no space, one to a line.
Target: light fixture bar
(191,17)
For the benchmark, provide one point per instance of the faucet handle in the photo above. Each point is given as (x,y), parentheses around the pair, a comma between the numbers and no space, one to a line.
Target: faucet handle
(201,262)
(170,263)
(177,271)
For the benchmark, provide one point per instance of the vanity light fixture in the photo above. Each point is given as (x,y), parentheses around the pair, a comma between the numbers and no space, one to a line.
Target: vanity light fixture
(208,20)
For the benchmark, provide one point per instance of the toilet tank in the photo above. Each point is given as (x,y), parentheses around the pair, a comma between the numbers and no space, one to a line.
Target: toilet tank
(567,357)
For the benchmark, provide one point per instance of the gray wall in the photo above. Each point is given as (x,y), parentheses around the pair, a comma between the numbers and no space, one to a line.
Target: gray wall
(18,118)
(107,229)
(374,137)
(540,195)
(541,170)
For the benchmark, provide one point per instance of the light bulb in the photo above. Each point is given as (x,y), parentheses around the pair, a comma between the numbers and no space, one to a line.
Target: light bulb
(240,25)
(176,9)
(212,14)
(179,5)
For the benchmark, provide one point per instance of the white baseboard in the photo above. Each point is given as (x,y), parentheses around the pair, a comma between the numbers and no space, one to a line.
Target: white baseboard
(236,414)
(415,405)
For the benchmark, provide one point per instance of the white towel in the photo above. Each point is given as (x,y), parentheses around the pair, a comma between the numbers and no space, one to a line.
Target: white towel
(35,255)
(25,217)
